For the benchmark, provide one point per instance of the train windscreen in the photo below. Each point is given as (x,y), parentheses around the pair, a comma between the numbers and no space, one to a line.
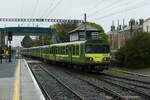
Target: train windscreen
(97,49)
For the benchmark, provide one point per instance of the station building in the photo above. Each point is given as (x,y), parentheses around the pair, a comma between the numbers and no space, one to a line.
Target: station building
(78,34)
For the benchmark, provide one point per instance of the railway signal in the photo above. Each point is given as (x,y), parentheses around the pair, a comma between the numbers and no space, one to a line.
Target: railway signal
(10,36)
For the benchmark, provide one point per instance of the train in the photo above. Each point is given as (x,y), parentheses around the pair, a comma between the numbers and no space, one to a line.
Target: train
(88,54)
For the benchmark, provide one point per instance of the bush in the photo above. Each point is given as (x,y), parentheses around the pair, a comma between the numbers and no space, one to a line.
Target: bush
(136,52)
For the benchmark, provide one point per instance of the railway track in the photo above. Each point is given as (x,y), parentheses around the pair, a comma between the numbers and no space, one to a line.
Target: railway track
(45,93)
(114,93)
(110,92)
(112,88)
(125,78)
(138,94)
(86,89)
(54,89)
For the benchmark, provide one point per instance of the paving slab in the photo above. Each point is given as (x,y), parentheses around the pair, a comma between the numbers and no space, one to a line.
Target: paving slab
(29,87)
(7,77)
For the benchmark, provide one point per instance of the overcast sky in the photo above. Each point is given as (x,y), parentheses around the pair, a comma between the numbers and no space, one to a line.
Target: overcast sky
(99,11)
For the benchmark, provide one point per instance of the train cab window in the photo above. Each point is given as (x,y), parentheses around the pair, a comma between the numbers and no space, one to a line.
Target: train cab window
(97,49)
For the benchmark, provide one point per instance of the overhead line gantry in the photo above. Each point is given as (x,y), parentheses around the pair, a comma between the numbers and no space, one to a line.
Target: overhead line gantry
(38,20)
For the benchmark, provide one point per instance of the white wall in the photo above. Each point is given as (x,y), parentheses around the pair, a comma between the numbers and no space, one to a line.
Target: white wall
(146,26)
(74,37)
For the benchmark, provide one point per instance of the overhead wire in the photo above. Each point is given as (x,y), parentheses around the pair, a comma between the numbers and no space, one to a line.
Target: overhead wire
(123,10)
(35,8)
(34,11)
(52,10)
(100,2)
(93,6)
(114,6)
(105,7)
(21,14)
(48,8)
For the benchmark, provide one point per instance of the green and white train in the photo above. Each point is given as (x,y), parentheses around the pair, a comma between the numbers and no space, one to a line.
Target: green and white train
(89,54)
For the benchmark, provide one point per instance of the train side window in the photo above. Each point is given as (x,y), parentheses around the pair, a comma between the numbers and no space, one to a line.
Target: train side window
(77,50)
(81,49)
(64,50)
(73,50)
(61,50)
(55,50)
(49,50)
(67,50)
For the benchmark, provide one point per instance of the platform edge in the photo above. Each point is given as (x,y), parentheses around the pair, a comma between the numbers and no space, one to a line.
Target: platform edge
(35,82)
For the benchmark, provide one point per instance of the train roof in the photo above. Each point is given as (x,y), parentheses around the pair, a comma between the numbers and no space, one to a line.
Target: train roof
(59,44)
(66,43)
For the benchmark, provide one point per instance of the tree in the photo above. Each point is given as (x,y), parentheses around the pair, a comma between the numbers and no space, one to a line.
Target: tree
(100,28)
(42,40)
(27,42)
(136,52)
(62,30)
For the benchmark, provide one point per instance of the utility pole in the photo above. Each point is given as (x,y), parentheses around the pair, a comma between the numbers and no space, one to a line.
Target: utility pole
(131,30)
(85,29)
(9,51)
(9,39)
(1,47)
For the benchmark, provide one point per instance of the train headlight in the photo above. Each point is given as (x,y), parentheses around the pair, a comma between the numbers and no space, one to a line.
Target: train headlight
(89,59)
(106,59)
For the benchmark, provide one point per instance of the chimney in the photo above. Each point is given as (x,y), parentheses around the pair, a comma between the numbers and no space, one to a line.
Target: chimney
(141,21)
(119,26)
(113,26)
(132,22)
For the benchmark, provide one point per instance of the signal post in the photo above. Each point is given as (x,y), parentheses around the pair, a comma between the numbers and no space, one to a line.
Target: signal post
(9,39)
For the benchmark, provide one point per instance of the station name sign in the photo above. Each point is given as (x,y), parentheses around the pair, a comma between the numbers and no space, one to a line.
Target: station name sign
(37,20)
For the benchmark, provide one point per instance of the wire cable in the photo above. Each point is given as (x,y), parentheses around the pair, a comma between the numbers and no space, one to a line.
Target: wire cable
(105,7)
(35,8)
(115,6)
(52,10)
(123,10)
(47,9)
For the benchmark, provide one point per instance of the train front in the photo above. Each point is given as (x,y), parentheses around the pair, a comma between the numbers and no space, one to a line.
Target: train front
(97,54)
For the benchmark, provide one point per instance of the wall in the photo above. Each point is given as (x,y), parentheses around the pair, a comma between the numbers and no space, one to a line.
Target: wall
(146,26)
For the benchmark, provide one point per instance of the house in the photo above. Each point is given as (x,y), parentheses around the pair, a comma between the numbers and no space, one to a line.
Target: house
(146,25)
(78,34)
(118,37)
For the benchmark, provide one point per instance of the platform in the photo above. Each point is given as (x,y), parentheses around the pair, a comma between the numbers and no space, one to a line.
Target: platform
(17,82)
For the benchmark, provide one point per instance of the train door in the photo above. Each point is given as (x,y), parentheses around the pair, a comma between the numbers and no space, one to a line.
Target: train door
(54,53)
(70,53)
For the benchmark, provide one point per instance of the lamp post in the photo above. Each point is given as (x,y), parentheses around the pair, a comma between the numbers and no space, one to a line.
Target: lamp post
(85,29)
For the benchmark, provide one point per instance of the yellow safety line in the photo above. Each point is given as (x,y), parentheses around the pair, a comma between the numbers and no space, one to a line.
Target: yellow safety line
(16,94)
